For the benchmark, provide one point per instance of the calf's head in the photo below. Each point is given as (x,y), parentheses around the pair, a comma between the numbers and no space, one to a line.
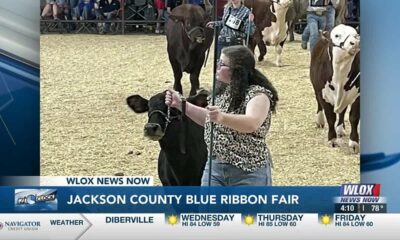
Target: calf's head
(346,40)
(193,24)
(160,117)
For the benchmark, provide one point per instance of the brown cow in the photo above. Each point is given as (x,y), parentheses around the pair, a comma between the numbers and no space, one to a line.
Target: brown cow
(271,26)
(188,39)
(335,76)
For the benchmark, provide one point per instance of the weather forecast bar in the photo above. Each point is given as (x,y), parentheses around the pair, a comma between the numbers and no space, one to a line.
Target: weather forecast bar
(199,226)
(98,212)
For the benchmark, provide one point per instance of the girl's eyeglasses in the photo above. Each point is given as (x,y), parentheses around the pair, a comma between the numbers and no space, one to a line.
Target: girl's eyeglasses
(221,64)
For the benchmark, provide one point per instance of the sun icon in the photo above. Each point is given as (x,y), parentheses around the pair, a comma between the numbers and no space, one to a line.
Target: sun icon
(326,219)
(172,220)
(249,220)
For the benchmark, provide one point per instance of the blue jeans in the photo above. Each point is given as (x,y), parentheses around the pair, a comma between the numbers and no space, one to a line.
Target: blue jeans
(311,32)
(330,21)
(86,11)
(330,18)
(225,174)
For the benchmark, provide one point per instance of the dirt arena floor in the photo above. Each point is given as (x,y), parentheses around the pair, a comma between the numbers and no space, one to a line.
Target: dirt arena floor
(87,128)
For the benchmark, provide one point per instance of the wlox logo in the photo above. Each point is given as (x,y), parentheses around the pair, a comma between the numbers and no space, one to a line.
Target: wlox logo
(362,190)
(36,199)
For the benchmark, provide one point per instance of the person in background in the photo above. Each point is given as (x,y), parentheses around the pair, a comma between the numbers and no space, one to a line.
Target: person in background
(53,8)
(353,9)
(171,4)
(236,23)
(160,5)
(69,13)
(73,4)
(330,14)
(220,8)
(244,103)
(106,9)
(320,16)
(84,10)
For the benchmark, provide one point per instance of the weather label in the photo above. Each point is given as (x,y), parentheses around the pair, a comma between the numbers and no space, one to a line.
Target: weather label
(205,220)
(352,220)
(279,220)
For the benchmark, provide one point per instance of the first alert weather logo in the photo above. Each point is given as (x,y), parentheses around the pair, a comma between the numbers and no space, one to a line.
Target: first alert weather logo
(172,220)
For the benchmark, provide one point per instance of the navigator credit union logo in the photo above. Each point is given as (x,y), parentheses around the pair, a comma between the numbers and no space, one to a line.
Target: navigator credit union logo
(36,199)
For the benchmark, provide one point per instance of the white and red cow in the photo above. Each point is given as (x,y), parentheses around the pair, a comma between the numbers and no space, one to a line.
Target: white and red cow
(271,26)
(335,76)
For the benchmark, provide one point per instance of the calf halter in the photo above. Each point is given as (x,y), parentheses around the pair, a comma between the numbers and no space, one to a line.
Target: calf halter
(168,118)
(341,43)
(192,39)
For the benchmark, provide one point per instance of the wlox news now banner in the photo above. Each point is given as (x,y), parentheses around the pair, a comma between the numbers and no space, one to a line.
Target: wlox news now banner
(121,207)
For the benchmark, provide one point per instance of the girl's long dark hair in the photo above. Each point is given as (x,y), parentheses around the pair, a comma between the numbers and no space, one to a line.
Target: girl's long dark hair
(244,74)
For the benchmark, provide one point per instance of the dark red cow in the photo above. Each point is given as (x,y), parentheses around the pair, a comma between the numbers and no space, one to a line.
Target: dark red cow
(188,40)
